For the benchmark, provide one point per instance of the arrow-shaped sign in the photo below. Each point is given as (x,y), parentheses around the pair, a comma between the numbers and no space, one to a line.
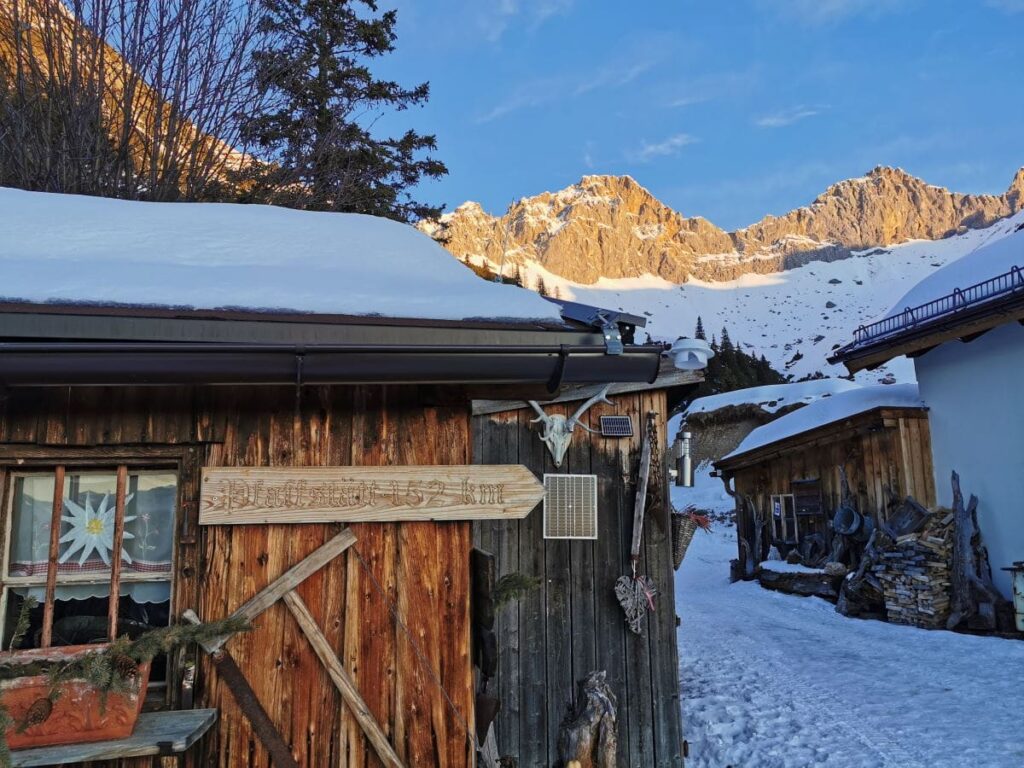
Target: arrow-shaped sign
(255,495)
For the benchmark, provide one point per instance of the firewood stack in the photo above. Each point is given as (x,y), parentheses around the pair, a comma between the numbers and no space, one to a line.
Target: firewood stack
(914,574)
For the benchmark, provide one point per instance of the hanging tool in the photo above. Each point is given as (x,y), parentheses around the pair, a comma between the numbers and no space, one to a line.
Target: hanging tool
(636,592)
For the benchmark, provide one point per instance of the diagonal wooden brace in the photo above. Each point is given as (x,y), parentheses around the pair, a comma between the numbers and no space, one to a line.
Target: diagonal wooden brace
(345,685)
(283,588)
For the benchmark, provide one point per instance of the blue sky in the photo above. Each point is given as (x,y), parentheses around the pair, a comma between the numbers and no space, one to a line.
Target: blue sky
(729,109)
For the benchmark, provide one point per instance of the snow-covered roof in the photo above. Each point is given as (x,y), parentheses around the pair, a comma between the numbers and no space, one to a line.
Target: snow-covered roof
(840,406)
(88,250)
(772,397)
(990,259)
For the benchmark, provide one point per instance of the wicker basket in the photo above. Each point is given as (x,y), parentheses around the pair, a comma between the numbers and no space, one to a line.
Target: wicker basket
(683,527)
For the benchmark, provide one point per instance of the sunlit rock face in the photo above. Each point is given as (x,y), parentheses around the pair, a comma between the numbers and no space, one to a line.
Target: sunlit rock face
(610,226)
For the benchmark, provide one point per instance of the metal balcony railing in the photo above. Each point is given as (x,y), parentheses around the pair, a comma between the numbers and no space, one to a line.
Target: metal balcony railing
(960,299)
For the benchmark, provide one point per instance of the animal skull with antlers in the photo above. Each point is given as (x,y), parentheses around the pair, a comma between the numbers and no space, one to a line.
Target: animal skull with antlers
(558,429)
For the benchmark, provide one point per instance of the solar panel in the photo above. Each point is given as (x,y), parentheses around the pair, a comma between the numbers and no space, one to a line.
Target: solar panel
(570,506)
(616,426)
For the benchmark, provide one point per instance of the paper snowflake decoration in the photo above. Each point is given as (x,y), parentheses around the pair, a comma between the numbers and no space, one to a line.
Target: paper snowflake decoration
(93,529)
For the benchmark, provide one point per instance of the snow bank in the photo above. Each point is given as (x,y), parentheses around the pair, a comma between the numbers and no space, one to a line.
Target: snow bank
(828,410)
(989,259)
(781,566)
(74,249)
(772,397)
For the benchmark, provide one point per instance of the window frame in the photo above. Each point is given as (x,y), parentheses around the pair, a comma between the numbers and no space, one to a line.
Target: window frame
(185,460)
(115,576)
(784,537)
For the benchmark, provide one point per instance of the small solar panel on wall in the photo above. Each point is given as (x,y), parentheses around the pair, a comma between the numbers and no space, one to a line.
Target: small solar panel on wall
(570,506)
(616,426)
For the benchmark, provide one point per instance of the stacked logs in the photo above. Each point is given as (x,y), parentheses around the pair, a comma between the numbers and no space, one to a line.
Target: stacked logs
(914,574)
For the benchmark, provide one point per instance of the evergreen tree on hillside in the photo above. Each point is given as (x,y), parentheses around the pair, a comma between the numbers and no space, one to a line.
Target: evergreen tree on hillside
(320,156)
(699,333)
(541,288)
(732,368)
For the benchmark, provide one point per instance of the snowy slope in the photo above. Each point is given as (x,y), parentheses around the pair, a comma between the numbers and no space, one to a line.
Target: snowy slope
(68,248)
(787,315)
(777,681)
(993,258)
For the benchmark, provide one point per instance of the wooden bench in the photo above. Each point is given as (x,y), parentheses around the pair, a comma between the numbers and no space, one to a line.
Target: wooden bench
(156,733)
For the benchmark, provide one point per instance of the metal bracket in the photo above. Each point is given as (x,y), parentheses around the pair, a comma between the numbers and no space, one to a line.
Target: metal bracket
(612,334)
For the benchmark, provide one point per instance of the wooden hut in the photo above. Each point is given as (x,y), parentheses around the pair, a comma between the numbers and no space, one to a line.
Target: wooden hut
(571,624)
(787,475)
(311,470)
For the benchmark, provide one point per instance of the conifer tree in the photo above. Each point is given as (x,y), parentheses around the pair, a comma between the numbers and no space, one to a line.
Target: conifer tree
(541,288)
(699,333)
(726,342)
(319,152)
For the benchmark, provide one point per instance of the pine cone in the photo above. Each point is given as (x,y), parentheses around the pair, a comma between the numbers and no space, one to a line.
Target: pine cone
(125,667)
(38,713)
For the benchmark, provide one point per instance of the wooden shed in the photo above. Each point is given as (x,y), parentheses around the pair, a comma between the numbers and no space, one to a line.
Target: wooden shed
(787,475)
(571,624)
(311,472)
(394,609)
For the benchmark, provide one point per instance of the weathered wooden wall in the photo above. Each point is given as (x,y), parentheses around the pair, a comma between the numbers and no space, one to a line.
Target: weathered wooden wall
(881,452)
(572,624)
(422,567)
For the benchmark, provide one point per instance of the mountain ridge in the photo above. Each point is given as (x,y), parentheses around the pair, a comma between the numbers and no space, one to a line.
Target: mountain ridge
(612,227)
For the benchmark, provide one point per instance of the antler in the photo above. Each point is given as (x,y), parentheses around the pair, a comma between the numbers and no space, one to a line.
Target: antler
(600,397)
(541,416)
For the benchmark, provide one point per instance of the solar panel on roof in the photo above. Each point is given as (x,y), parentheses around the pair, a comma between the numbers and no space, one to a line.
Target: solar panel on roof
(616,426)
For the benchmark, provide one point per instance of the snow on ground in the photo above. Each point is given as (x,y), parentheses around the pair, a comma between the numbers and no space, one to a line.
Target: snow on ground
(70,248)
(786,315)
(828,410)
(777,681)
(781,566)
(770,398)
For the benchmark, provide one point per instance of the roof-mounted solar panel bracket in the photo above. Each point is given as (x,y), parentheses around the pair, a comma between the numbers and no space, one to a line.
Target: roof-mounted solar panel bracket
(616,327)
(611,331)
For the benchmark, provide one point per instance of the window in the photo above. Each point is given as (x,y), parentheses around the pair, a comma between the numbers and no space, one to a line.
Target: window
(85,593)
(784,519)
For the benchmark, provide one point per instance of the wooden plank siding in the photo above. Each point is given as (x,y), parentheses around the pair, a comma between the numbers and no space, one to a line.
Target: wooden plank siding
(422,567)
(572,624)
(883,452)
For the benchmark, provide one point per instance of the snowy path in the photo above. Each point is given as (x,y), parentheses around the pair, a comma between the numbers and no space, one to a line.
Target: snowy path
(772,680)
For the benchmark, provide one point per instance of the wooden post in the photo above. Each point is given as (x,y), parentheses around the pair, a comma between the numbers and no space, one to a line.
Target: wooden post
(51,561)
(115,552)
(641,492)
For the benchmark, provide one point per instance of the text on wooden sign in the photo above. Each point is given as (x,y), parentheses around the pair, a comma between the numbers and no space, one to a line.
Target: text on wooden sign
(255,495)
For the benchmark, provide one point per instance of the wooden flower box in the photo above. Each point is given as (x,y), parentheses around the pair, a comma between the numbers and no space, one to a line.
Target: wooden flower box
(78,715)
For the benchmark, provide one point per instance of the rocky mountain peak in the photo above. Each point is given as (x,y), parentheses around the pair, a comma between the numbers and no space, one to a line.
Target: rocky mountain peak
(611,226)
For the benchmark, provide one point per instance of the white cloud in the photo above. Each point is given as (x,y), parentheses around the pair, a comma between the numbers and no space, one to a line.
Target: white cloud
(786,117)
(820,12)
(618,72)
(534,93)
(715,86)
(614,76)
(666,148)
(495,17)
(1007,6)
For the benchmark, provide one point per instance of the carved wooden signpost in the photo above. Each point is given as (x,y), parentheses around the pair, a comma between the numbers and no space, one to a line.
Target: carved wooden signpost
(255,495)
